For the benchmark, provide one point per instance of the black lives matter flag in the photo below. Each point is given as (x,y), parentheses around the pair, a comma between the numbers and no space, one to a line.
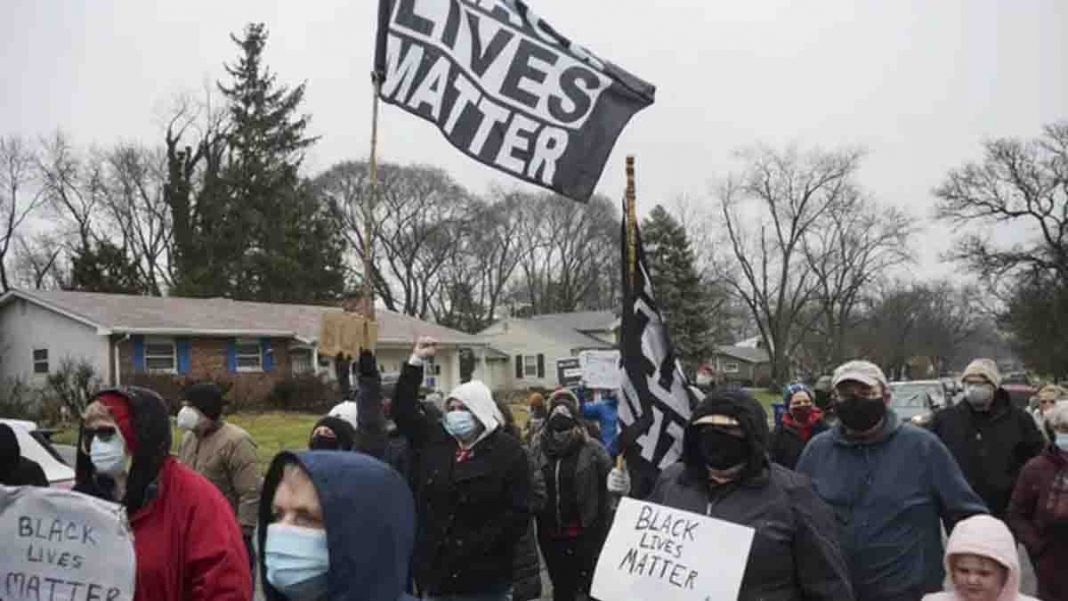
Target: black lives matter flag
(506,88)
(656,398)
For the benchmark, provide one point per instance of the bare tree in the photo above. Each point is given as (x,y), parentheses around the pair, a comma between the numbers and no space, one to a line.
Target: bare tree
(787,194)
(72,187)
(37,262)
(17,164)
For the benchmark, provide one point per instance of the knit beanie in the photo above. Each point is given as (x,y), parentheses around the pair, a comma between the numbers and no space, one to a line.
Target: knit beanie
(985,368)
(119,408)
(207,397)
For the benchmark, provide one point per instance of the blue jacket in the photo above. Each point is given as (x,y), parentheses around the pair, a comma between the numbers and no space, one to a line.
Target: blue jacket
(370,524)
(888,495)
(606,412)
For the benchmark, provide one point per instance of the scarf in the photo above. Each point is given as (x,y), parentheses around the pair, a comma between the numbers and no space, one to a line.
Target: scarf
(804,430)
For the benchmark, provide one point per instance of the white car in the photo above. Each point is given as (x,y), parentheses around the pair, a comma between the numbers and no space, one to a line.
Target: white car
(35,447)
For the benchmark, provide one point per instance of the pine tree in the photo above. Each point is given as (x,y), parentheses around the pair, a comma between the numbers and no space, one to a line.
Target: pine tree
(679,290)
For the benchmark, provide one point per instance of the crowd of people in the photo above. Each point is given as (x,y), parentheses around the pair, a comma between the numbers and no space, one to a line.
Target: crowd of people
(444,498)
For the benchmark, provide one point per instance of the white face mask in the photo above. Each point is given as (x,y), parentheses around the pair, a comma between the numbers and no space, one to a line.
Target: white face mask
(188,418)
(108,457)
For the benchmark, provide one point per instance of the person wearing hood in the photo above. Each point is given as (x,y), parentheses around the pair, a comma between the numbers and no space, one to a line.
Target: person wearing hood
(366,415)
(990,438)
(725,473)
(800,423)
(472,488)
(1038,510)
(334,526)
(221,452)
(187,542)
(605,411)
(574,521)
(16,470)
(982,563)
(332,434)
(889,484)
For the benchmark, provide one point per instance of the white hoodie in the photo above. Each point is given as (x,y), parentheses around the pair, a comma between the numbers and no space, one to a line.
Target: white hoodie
(477,397)
(987,537)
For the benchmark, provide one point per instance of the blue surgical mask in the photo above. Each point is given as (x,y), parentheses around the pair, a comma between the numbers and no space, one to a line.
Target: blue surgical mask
(297,561)
(1062,441)
(108,457)
(461,424)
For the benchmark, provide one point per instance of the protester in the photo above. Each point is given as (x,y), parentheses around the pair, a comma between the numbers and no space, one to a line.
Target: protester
(990,437)
(186,540)
(822,397)
(221,452)
(575,519)
(526,577)
(472,488)
(799,424)
(606,412)
(705,379)
(888,483)
(332,434)
(1038,511)
(1046,400)
(725,473)
(536,404)
(337,526)
(366,414)
(982,563)
(16,470)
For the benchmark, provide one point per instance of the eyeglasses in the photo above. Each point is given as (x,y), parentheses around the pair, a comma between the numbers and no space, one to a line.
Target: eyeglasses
(104,433)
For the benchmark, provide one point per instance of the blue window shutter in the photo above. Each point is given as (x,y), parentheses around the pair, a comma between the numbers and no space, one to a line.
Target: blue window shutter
(266,354)
(231,355)
(138,353)
(184,358)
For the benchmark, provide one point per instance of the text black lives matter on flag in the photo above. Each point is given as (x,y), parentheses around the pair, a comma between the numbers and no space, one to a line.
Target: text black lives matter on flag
(655,407)
(504,87)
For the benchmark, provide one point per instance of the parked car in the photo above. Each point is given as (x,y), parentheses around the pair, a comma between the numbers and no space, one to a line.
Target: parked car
(1020,388)
(35,446)
(917,400)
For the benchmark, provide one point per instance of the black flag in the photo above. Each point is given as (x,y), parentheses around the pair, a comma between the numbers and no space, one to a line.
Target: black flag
(656,396)
(506,89)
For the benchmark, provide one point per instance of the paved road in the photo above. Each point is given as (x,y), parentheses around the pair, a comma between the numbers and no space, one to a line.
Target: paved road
(67,452)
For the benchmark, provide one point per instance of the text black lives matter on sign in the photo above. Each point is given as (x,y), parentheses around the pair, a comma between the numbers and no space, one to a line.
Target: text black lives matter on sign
(504,87)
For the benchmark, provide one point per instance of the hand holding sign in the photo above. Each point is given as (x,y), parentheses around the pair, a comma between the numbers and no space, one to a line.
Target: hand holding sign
(656,552)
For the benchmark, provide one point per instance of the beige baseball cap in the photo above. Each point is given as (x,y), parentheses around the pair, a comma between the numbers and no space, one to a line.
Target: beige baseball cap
(865,372)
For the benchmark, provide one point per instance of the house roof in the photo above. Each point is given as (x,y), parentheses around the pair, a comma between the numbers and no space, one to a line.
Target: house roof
(568,329)
(745,353)
(128,314)
(582,321)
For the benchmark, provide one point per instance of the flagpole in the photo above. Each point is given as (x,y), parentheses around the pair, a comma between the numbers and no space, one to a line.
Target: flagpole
(368,213)
(632,221)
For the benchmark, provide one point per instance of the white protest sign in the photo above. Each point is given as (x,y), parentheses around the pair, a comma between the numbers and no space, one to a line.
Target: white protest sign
(600,369)
(655,552)
(63,546)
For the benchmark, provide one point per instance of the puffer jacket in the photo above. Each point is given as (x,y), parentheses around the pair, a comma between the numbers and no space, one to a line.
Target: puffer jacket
(988,537)
(794,555)
(1038,515)
(990,447)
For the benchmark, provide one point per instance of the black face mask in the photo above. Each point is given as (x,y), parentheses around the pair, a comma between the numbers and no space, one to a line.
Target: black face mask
(722,451)
(324,443)
(860,414)
(561,423)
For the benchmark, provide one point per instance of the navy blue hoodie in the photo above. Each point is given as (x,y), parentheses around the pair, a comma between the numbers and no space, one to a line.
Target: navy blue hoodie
(370,524)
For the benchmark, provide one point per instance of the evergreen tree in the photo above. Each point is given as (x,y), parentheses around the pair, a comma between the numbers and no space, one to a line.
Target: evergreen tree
(679,290)
(104,267)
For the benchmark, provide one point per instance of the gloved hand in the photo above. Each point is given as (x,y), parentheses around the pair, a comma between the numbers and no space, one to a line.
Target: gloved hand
(366,365)
(619,481)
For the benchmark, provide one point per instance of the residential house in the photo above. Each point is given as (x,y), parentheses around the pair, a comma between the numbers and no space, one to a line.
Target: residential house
(534,344)
(742,365)
(250,345)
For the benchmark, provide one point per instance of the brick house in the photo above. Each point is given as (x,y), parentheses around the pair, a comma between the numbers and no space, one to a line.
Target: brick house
(166,342)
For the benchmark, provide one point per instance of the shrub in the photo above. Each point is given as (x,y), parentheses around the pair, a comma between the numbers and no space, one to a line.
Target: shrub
(19,400)
(71,386)
(304,392)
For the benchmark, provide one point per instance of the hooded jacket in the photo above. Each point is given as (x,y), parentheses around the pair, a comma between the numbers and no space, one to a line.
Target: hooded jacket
(794,556)
(888,494)
(471,513)
(1038,515)
(16,470)
(987,537)
(990,447)
(186,539)
(787,443)
(369,518)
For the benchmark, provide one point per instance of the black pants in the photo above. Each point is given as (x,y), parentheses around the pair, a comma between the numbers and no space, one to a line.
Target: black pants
(570,562)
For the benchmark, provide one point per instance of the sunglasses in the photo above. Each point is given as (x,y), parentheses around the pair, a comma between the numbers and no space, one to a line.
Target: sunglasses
(104,433)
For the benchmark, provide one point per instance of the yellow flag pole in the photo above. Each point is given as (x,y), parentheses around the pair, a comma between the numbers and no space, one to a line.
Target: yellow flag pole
(632,221)
(368,218)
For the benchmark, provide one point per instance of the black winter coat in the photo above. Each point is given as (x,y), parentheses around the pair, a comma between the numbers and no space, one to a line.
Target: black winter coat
(471,514)
(527,566)
(786,443)
(991,448)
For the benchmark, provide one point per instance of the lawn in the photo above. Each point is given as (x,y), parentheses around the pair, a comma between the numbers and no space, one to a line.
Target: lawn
(766,397)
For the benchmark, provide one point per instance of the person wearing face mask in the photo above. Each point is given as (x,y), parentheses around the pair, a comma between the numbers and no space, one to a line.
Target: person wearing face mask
(472,488)
(331,434)
(337,526)
(890,484)
(1038,510)
(187,543)
(982,563)
(990,437)
(725,473)
(223,453)
(574,521)
(800,423)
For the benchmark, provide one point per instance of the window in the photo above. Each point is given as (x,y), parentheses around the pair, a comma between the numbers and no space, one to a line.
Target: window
(249,357)
(161,356)
(40,361)
(530,366)
(301,361)
(730,367)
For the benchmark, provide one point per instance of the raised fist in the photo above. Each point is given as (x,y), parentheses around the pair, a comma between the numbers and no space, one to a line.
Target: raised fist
(425,348)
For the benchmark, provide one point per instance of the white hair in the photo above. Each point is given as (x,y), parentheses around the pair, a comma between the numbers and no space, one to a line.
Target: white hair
(1057,417)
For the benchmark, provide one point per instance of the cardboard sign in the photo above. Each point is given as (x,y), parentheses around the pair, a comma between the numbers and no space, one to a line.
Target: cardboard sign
(655,552)
(346,333)
(600,369)
(568,372)
(63,545)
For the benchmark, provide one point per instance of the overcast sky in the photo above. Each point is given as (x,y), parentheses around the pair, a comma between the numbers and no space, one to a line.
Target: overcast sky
(918,83)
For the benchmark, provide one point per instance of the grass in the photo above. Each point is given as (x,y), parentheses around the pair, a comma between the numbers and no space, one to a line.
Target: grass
(766,397)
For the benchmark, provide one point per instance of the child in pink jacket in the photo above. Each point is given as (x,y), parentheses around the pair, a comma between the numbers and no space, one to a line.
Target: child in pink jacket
(982,563)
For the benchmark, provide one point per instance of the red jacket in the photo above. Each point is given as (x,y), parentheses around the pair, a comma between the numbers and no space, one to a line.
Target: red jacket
(187,542)
(1038,515)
